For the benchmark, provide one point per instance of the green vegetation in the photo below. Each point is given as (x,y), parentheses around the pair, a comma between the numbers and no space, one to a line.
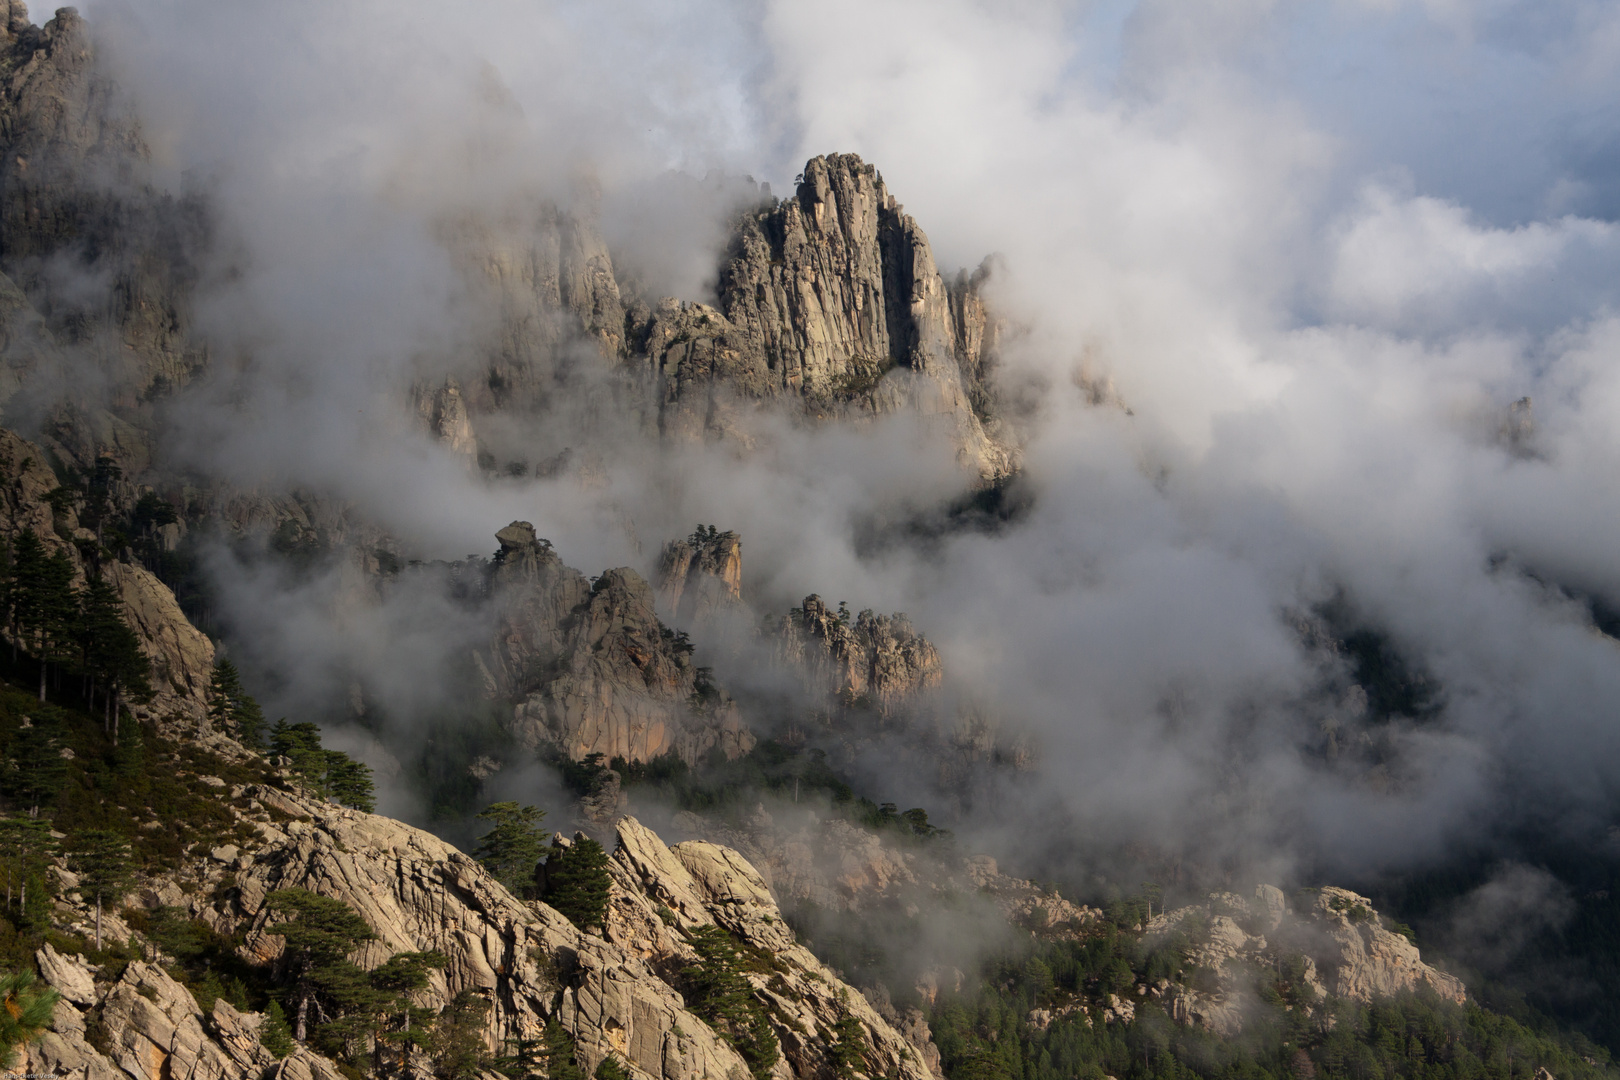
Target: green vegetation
(230,708)
(513,848)
(984,1032)
(79,632)
(103,861)
(725,786)
(326,774)
(25,1010)
(716,989)
(577,883)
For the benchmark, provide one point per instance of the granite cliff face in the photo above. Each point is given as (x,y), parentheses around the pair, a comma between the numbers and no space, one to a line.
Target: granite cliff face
(700,577)
(829,305)
(75,204)
(1338,941)
(613,993)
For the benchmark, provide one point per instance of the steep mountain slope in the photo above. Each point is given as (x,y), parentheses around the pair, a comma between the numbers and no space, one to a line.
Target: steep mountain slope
(614,994)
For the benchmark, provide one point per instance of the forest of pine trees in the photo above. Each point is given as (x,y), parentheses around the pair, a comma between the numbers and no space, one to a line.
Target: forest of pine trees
(70,632)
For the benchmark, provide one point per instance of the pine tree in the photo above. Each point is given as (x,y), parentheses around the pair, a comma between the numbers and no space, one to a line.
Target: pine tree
(38,769)
(527,1061)
(400,1021)
(458,1037)
(230,708)
(300,745)
(58,614)
(559,1046)
(514,847)
(27,563)
(25,1011)
(349,781)
(224,689)
(275,1035)
(610,1068)
(577,883)
(848,1049)
(26,849)
(101,858)
(110,651)
(320,933)
(717,990)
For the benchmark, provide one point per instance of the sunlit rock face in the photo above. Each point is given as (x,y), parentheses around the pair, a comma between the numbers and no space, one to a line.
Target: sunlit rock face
(615,993)
(831,299)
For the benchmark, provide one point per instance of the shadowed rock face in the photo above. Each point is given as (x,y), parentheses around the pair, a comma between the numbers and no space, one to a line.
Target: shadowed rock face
(591,669)
(75,205)
(182,657)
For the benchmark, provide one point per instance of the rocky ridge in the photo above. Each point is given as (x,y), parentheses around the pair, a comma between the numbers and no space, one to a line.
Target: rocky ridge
(613,993)
(876,660)
(831,298)
(1338,944)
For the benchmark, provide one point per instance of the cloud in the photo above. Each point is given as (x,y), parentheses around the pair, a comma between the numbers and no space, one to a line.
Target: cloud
(1253,225)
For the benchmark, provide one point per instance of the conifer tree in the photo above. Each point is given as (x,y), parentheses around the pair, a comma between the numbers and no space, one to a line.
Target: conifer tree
(27,562)
(230,708)
(25,1012)
(349,781)
(400,1020)
(527,1061)
(320,933)
(577,883)
(26,848)
(848,1049)
(458,1037)
(276,1036)
(102,860)
(717,990)
(559,1048)
(57,611)
(514,847)
(38,769)
(110,651)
